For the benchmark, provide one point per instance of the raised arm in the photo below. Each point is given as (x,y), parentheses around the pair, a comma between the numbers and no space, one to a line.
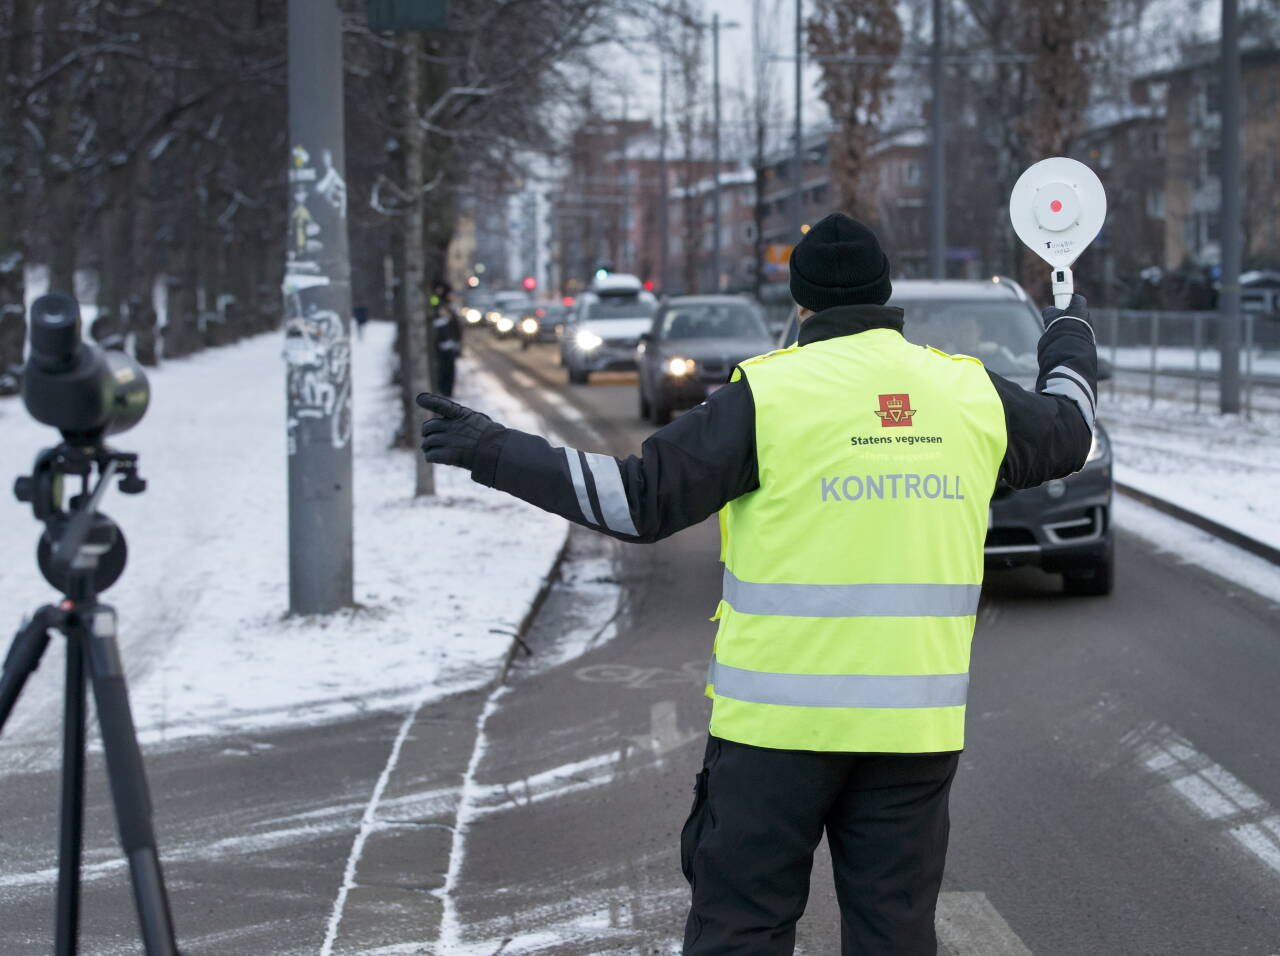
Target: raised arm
(1051,429)
(685,472)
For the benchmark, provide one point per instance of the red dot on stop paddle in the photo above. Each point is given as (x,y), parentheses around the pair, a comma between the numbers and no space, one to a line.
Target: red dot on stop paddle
(1056,205)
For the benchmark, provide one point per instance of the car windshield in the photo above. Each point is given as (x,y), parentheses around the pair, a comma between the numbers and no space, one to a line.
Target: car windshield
(1004,335)
(713,320)
(627,306)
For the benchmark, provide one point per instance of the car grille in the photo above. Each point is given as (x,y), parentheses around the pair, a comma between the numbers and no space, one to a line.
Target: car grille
(621,343)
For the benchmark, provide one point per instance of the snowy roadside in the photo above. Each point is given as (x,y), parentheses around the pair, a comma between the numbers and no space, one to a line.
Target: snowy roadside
(441,584)
(1219,466)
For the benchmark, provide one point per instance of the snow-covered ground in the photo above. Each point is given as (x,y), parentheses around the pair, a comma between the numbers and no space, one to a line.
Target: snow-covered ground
(441,583)
(1220,466)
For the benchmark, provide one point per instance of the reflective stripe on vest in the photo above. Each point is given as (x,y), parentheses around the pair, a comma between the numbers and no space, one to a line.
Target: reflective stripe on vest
(851,600)
(838,690)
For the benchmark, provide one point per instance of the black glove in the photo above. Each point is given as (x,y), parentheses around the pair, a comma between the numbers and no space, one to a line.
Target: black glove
(1078,308)
(452,438)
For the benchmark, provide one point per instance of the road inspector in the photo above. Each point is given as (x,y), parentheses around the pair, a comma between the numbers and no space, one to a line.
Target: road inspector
(853,473)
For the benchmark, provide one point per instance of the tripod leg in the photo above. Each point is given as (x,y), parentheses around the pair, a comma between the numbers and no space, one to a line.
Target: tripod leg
(128,782)
(22,660)
(67,923)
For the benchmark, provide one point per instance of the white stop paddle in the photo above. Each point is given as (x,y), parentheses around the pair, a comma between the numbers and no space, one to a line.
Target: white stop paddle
(1057,208)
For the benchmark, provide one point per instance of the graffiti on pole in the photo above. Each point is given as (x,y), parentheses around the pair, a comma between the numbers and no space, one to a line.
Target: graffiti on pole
(317,346)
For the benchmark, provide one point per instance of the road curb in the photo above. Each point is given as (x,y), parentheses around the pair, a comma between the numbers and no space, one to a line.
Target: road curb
(1230,535)
(522,630)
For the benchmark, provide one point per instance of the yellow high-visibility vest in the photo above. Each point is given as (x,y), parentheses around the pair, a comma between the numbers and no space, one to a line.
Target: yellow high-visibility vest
(852,574)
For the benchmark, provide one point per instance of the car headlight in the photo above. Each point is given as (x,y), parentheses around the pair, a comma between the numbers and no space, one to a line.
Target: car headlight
(473,316)
(504,324)
(493,316)
(681,366)
(1099,449)
(529,326)
(588,340)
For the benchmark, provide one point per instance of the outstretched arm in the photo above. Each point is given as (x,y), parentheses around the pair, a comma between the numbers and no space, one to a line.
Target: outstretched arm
(1051,429)
(684,473)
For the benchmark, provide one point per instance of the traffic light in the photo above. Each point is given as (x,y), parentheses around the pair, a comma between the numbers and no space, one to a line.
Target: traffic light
(530,283)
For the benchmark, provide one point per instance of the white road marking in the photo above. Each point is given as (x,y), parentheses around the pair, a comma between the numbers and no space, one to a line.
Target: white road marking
(367,825)
(664,731)
(449,939)
(1214,792)
(968,925)
(562,405)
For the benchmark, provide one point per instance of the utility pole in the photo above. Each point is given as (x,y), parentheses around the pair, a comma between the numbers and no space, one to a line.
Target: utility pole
(797,162)
(317,291)
(623,259)
(1229,294)
(937,156)
(715,153)
(664,224)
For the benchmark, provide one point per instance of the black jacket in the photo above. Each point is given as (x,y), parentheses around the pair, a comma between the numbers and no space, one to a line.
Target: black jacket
(704,459)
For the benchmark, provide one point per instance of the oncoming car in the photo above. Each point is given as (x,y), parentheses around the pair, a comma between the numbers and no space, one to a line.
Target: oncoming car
(1063,526)
(692,348)
(606,326)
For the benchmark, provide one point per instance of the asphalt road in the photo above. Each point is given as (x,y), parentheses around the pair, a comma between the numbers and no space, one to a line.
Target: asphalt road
(1118,795)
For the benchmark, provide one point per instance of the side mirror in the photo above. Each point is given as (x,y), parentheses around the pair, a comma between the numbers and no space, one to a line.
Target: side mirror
(1106,370)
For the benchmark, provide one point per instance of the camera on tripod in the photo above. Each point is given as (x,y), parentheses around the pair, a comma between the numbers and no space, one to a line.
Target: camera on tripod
(87,393)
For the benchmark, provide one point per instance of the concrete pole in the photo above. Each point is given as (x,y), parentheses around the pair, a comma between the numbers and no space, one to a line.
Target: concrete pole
(624,263)
(317,289)
(937,155)
(664,212)
(1232,232)
(797,162)
(715,154)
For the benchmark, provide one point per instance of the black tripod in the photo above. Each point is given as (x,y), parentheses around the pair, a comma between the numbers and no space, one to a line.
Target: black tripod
(81,553)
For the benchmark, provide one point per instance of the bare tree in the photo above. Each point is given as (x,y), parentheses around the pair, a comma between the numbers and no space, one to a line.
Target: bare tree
(856,93)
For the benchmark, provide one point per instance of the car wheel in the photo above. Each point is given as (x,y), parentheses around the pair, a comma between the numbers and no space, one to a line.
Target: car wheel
(578,376)
(1093,580)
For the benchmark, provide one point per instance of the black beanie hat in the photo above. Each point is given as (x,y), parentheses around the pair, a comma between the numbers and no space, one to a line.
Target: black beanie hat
(839,262)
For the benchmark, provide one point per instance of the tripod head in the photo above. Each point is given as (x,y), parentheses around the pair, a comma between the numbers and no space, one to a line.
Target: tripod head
(82,552)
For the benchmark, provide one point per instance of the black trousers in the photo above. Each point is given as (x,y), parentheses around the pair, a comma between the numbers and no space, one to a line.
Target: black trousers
(758,814)
(447,364)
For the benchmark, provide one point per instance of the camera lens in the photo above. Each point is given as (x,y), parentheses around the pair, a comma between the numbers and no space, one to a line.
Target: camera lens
(55,332)
(75,386)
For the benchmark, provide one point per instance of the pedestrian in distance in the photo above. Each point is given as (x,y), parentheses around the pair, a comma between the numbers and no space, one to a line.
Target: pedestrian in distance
(361,316)
(853,473)
(448,337)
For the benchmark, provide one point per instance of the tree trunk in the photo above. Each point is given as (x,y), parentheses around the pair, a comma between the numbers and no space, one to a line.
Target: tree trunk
(415,375)
(13,246)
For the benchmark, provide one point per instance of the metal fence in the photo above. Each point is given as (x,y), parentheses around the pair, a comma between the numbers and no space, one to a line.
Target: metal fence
(1174,355)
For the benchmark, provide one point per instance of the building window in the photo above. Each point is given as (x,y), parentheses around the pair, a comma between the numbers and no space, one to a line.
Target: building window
(1157,142)
(911,173)
(1155,204)
(1212,227)
(748,231)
